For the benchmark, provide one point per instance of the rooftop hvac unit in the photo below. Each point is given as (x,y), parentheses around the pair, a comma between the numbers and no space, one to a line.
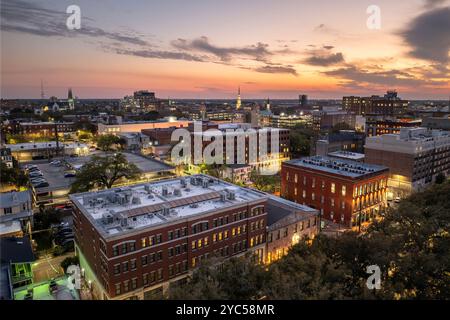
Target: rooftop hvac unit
(165,211)
(231,195)
(107,218)
(164,191)
(223,197)
(150,196)
(136,200)
(183,182)
(193,205)
(148,188)
(205,183)
(177,192)
(124,222)
(193,181)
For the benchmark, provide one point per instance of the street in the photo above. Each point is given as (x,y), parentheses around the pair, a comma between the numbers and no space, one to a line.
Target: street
(47,267)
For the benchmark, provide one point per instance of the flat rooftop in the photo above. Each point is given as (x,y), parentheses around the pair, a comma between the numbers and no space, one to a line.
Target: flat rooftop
(348,168)
(43,145)
(119,210)
(347,155)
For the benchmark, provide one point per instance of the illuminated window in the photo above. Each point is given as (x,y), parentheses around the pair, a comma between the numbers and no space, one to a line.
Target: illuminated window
(205,241)
(144,242)
(220,236)
(214,237)
(344,190)
(333,188)
(199,243)
(295,178)
(193,244)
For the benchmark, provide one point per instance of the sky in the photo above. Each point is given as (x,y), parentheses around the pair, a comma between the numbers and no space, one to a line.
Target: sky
(208,48)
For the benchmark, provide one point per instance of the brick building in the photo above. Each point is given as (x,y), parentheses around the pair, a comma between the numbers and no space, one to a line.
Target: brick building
(346,192)
(134,242)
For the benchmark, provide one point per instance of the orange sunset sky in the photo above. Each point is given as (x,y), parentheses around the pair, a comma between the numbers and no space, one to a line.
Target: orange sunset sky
(206,49)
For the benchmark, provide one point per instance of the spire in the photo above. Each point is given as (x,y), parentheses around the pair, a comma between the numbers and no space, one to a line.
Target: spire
(70,95)
(238,101)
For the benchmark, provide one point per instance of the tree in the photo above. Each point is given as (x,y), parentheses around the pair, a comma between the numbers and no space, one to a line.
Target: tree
(12,176)
(102,172)
(106,142)
(69,261)
(300,141)
(440,178)
(266,183)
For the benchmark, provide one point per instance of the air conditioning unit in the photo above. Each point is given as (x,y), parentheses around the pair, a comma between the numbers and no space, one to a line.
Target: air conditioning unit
(165,192)
(183,182)
(136,200)
(177,192)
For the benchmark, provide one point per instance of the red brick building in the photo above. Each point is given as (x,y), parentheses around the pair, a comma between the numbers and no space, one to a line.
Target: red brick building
(134,242)
(345,192)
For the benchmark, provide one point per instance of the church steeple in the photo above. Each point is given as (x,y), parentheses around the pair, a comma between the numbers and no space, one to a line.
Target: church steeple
(70,100)
(238,101)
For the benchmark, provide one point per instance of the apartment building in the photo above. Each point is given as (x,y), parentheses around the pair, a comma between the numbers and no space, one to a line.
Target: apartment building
(135,242)
(346,192)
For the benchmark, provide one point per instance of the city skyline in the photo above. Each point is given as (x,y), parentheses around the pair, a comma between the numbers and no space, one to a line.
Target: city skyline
(323,49)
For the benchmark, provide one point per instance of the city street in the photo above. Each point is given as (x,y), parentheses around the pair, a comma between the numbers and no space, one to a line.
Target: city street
(48,267)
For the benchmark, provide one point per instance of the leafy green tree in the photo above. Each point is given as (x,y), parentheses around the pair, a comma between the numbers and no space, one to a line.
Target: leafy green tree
(107,142)
(440,178)
(103,171)
(300,141)
(12,176)
(266,183)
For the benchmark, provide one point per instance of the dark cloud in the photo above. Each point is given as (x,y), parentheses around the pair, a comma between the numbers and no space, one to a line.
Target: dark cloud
(159,54)
(324,59)
(328,47)
(29,18)
(429,35)
(391,78)
(259,51)
(276,69)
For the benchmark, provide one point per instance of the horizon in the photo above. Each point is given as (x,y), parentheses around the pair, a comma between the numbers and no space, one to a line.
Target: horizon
(323,49)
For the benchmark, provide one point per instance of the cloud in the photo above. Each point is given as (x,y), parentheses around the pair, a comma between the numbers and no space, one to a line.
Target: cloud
(259,51)
(328,47)
(325,59)
(276,69)
(158,54)
(391,78)
(428,35)
(433,3)
(29,18)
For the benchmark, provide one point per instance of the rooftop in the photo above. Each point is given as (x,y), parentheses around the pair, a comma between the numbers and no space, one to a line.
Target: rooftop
(16,250)
(119,210)
(12,199)
(279,208)
(342,167)
(43,145)
(347,155)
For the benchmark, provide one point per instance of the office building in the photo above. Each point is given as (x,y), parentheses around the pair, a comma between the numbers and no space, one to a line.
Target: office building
(415,157)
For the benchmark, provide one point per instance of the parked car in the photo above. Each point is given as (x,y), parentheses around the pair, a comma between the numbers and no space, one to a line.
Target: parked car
(33,169)
(69,175)
(42,185)
(38,181)
(36,174)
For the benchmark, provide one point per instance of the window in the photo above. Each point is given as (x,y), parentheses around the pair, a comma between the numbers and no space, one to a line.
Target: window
(313,196)
(170,235)
(117,268)
(333,188)
(133,283)
(115,251)
(133,265)
(124,248)
(143,242)
(144,260)
(295,178)
(214,237)
(132,246)
(205,241)
(145,279)
(125,266)
(344,190)
(118,288)
(304,194)
(125,285)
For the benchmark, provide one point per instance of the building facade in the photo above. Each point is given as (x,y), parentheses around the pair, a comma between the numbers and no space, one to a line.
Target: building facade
(135,242)
(16,213)
(415,157)
(345,192)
